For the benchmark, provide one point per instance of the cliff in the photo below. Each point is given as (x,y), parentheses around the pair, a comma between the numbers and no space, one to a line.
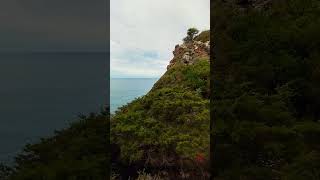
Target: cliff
(189,53)
(166,132)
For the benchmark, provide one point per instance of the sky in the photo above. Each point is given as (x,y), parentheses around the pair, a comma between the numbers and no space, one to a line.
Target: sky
(143,33)
(54,25)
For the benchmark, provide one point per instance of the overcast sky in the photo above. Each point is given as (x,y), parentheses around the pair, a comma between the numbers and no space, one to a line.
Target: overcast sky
(53,25)
(144,33)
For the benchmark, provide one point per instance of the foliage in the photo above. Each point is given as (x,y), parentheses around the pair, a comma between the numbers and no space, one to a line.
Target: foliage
(191,34)
(5,172)
(169,127)
(193,78)
(265,92)
(204,36)
(77,152)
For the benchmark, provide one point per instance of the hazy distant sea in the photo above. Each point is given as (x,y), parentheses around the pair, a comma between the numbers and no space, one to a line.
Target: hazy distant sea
(40,93)
(124,90)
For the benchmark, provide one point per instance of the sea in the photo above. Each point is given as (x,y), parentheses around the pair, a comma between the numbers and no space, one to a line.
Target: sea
(124,90)
(44,92)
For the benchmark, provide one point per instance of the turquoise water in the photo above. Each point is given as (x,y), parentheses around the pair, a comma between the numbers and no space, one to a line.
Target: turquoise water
(124,90)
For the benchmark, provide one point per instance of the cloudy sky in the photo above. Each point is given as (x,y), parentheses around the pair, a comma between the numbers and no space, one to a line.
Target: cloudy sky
(143,33)
(53,25)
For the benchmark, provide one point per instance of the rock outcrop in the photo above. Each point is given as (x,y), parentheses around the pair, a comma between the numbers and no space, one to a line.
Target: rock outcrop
(188,53)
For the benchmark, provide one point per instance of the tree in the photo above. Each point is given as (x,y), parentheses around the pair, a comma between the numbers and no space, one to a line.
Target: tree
(191,34)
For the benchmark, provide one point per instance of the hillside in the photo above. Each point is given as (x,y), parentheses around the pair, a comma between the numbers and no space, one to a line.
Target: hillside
(265,95)
(166,132)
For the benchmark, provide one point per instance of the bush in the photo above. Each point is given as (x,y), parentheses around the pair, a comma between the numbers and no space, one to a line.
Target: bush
(191,34)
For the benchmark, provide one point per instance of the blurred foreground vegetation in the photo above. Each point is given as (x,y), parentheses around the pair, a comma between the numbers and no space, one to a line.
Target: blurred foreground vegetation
(266,90)
(79,152)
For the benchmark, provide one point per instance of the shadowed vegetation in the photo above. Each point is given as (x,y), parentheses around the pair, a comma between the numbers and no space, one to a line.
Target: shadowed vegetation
(266,90)
(77,152)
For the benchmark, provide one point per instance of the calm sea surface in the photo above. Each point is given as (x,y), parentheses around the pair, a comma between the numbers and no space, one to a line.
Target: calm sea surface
(40,93)
(123,91)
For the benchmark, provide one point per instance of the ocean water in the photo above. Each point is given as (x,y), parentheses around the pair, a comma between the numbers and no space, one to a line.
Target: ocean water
(40,93)
(124,90)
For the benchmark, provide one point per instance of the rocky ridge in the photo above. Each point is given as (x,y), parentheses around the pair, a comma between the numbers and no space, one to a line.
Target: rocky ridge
(187,53)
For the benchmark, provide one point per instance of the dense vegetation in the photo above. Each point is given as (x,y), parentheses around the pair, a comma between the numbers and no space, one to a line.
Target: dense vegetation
(75,153)
(166,132)
(266,90)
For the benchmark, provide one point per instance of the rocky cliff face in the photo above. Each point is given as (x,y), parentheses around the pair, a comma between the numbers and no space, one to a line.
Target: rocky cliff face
(188,53)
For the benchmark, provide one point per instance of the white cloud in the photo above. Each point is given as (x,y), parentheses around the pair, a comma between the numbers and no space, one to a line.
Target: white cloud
(143,27)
